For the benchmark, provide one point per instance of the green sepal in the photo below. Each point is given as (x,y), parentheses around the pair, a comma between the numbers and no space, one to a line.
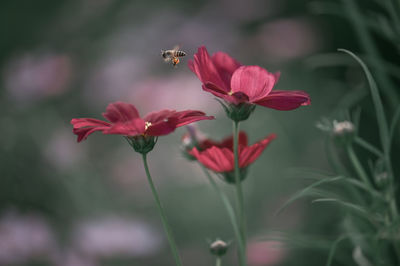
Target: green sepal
(237,112)
(142,144)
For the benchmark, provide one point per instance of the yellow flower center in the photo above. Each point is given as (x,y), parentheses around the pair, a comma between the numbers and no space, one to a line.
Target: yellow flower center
(230,93)
(146,125)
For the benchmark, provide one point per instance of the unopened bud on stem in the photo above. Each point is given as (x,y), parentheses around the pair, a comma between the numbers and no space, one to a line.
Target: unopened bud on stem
(218,248)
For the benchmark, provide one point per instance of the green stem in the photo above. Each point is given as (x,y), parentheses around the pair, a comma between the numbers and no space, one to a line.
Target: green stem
(218,262)
(358,167)
(366,145)
(238,183)
(167,229)
(368,45)
(230,212)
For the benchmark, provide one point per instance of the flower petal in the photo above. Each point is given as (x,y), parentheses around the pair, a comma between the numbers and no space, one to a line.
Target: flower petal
(284,100)
(225,65)
(189,116)
(120,112)
(225,143)
(129,128)
(228,142)
(83,127)
(254,81)
(159,116)
(87,122)
(161,128)
(166,121)
(249,154)
(214,89)
(203,66)
(214,158)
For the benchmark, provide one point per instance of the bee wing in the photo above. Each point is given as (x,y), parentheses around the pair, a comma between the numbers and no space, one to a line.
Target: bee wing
(176,47)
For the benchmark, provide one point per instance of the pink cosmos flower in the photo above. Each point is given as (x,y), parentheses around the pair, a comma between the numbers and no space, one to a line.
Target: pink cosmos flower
(226,78)
(195,138)
(219,156)
(124,120)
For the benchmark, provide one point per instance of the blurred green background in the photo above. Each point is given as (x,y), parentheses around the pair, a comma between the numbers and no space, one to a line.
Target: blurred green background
(64,203)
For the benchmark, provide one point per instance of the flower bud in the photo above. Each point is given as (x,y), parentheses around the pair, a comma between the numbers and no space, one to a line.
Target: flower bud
(238,112)
(381,175)
(142,143)
(189,140)
(343,131)
(218,248)
(382,180)
(343,128)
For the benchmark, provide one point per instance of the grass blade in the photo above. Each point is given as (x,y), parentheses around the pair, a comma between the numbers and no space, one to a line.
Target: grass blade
(307,192)
(393,124)
(382,122)
(332,251)
(348,205)
(368,146)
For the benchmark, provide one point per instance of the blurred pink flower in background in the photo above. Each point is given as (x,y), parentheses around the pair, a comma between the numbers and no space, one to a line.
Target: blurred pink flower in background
(266,253)
(24,237)
(74,258)
(178,91)
(116,236)
(285,39)
(31,77)
(61,150)
(112,78)
(127,173)
(249,10)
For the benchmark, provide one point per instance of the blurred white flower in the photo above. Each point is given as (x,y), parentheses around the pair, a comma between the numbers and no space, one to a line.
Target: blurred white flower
(336,128)
(114,236)
(73,258)
(340,128)
(23,237)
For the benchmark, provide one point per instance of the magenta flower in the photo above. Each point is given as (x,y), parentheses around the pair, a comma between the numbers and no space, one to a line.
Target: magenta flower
(226,78)
(124,120)
(218,156)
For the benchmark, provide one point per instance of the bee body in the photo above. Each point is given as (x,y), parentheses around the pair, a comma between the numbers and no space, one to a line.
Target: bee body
(172,55)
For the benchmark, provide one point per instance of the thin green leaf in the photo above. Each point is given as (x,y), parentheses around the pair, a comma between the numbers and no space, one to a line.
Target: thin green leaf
(308,191)
(362,186)
(333,157)
(348,205)
(382,122)
(356,115)
(358,166)
(296,240)
(356,18)
(333,60)
(393,124)
(229,210)
(368,146)
(333,249)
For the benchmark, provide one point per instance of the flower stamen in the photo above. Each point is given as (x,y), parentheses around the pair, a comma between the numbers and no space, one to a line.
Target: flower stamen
(147,125)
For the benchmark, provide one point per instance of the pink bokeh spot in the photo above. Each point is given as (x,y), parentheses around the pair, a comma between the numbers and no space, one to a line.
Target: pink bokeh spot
(31,77)
(265,253)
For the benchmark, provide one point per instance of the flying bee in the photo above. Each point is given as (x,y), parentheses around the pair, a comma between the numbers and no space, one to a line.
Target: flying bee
(172,55)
